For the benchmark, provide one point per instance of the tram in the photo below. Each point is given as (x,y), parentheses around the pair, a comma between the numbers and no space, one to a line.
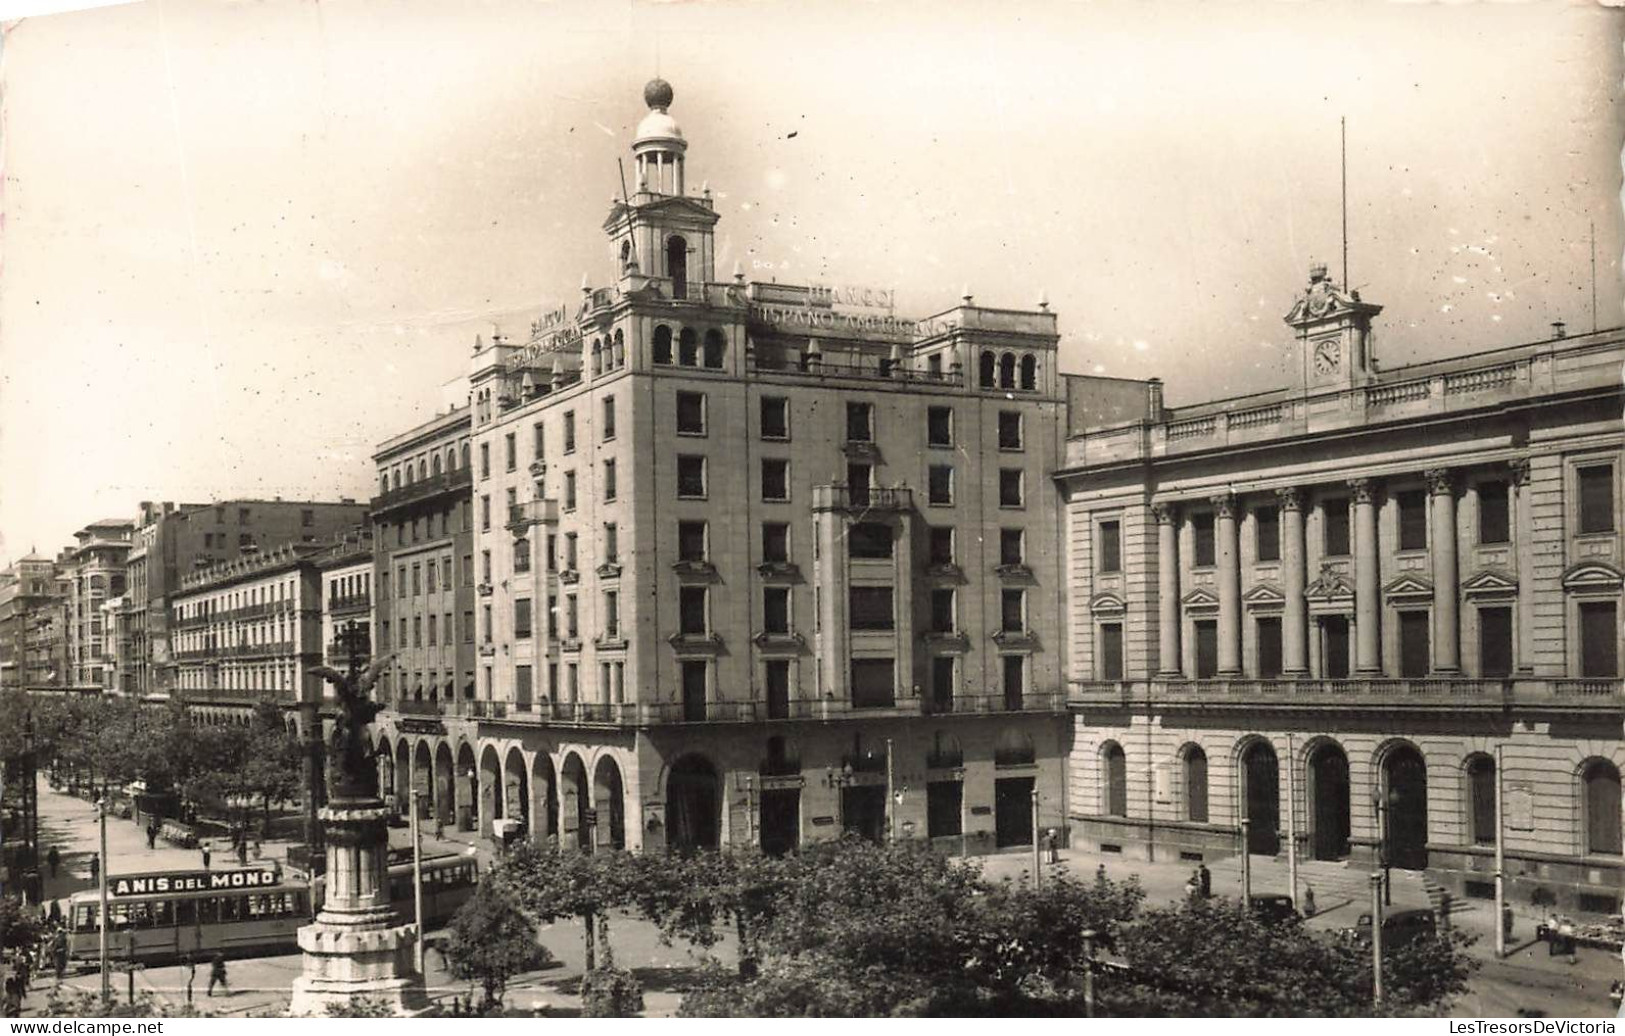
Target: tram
(172,915)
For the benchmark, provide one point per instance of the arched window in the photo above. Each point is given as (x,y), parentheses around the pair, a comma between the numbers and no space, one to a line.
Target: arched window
(1029,371)
(1195,784)
(383,479)
(987,365)
(463,461)
(1114,772)
(1007,370)
(408,473)
(451,458)
(1480,771)
(662,344)
(618,355)
(688,349)
(1601,784)
(945,752)
(677,266)
(423,469)
(626,254)
(597,357)
(1013,748)
(713,348)
(434,467)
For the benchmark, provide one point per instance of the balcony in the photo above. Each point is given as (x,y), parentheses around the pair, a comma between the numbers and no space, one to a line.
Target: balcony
(946,640)
(1016,640)
(1014,571)
(1430,693)
(421,490)
(690,568)
(788,571)
(349,603)
(532,512)
(837,496)
(696,643)
(782,640)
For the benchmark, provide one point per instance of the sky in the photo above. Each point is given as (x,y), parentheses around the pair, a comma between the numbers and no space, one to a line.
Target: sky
(243,242)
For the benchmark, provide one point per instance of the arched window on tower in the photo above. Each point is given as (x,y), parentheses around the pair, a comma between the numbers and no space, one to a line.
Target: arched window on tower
(713,348)
(677,266)
(434,468)
(1007,370)
(987,365)
(1600,779)
(662,344)
(618,354)
(626,255)
(688,347)
(1029,372)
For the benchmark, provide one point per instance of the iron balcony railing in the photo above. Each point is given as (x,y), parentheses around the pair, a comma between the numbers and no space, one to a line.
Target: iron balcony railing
(1562,694)
(423,489)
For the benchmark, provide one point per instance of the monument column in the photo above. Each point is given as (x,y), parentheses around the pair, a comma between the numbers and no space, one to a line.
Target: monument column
(1168,662)
(1446,620)
(1294,639)
(1227,552)
(1367,594)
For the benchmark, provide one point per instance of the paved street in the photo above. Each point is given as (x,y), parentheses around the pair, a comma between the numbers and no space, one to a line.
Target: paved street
(1528,980)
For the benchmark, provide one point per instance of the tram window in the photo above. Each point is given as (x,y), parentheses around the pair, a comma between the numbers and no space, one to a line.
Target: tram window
(118,915)
(230,908)
(86,918)
(137,915)
(186,912)
(163,914)
(301,903)
(208,911)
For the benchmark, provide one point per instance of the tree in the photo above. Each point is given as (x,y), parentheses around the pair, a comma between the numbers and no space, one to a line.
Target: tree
(491,941)
(269,768)
(549,883)
(689,897)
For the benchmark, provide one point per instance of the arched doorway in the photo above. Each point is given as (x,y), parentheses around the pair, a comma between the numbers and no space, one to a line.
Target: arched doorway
(693,805)
(609,799)
(1261,791)
(468,788)
(445,792)
(779,801)
(573,804)
(1405,784)
(490,791)
(1328,801)
(1599,780)
(516,789)
(423,779)
(545,805)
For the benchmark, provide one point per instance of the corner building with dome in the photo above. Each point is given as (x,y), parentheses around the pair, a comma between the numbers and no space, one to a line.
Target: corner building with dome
(747,563)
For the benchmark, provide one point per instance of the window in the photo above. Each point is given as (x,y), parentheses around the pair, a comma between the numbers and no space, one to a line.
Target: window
(552,616)
(612,543)
(870,540)
(510,452)
(871,607)
(874,683)
(569,431)
(939,426)
(417,631)
(1481,799)
(695,677)
(417,580)
(538,440)
(940,484)
(944,806)
(860,422)
(775,480)
(1596,485)
(1111,547)
(242,516)
(552,552)
(1413,519)
(1013,610)
(1195,785)
(1009,430)
(942,545)
(778,688)
(1269,646)
(570,556)
(688,346)
(691,541)
(610,489)
(1495,642)
(1207,648)
(1599,640)
(1115,771)
(430,577)
(1202,535)
(690,413)
(1601,780)
(612,613)
(307,518)
(942,611)
(1267,533)
(485,460)
(485,512)
(985,370)
(691,608)
(609,418)
(775,542)
(1010,487)
(714,346)
(776,609)
(572,617)
(662,344)
(1414,650)
(1494,517)
(522,687)
(1015,686)
(434,623)
(1012,548)
(691,477)
(775,418)
(1111,651)
(485,566)
(569,490)
(1335,513)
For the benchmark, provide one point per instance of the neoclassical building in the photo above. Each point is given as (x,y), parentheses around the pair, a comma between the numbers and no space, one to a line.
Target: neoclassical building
(1327,608)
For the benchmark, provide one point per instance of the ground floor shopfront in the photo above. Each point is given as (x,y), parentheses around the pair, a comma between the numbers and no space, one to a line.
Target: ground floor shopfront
(967,783)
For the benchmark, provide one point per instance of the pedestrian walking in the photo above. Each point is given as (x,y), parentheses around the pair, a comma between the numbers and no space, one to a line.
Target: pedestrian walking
(152,835)
(257,849)
(1053,842)
(95,869)
(1205,881)
(1616,993)
(217,974)
(1193,886)
(1100,874)
(206,856)
(242,853)
(53,860)
(1308,900)
(59,953)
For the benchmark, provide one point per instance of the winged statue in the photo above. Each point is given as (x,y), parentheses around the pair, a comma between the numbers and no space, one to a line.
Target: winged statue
(357,777)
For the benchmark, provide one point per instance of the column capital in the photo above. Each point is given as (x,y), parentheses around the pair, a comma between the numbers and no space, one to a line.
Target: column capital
(1224,505)
(1164,512)
(1364,490)
(1441,481)
(1289,498)
(1518,469)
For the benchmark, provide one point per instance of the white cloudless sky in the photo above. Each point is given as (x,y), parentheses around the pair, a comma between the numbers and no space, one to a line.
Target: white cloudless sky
(244,242)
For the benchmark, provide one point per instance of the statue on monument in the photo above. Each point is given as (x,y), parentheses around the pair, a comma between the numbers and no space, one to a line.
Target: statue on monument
(356,777)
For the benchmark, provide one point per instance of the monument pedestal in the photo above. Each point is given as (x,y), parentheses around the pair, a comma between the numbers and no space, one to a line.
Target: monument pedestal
(355,950)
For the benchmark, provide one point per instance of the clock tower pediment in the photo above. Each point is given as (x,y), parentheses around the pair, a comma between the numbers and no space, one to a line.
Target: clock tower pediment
(1333,331)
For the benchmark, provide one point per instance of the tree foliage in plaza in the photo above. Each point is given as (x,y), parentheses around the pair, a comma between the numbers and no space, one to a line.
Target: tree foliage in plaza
(492,940)
(693,897)
(549,883)
(269,769)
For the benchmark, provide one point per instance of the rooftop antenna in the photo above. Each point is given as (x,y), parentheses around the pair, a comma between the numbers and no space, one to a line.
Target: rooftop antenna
(1343,149)
(627,201)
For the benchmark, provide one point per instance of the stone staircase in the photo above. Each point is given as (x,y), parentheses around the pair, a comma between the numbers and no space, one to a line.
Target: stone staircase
(1335,884)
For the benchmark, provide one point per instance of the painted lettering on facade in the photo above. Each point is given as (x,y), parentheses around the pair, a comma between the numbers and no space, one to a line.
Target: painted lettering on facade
(869,325)
(550,342)
(189,881)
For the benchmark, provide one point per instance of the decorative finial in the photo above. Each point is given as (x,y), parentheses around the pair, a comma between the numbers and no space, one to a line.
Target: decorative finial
(965,295)
(1043,301)
(1317,272)
(585,288)
(657,94)
(705,188)
(739,272)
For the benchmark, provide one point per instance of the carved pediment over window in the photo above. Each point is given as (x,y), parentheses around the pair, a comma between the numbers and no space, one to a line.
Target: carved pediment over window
(1592,577)
(1331,586)
(1490,583)
(1107,603)
(609,570)
(955,641)
(569,575)
(1409,587)
(1264,596)
(1200,598)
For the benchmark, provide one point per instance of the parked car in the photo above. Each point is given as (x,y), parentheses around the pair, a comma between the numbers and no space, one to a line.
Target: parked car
(1399,928)
(1273,909)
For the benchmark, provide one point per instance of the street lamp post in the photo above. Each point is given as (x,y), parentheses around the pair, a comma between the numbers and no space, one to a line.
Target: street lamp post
(1038,873)
(417,877)
(1088,972)
(1379,803)
(1246,863)
(101,916)
(891,790)
(1376,938)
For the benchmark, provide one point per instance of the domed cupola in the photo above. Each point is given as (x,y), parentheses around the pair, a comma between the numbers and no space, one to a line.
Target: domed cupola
(659,145)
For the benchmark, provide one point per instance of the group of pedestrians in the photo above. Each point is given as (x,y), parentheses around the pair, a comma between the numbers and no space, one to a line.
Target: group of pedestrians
(1200,885)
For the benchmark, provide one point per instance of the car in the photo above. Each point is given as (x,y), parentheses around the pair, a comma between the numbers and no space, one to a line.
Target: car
(1399,928)
(1273,909)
